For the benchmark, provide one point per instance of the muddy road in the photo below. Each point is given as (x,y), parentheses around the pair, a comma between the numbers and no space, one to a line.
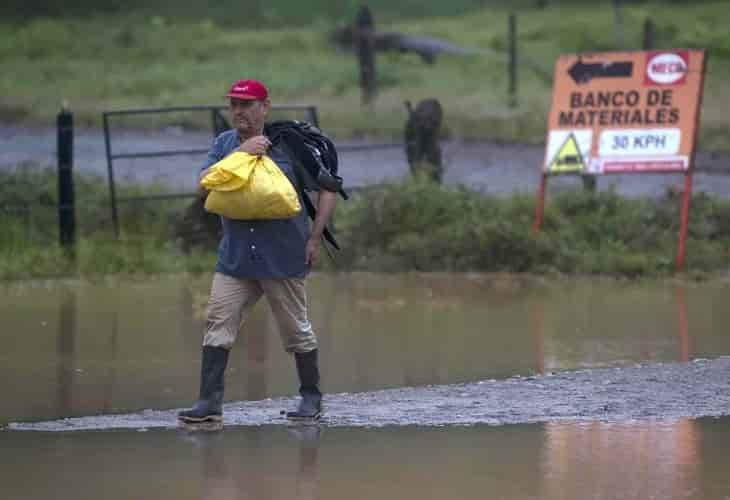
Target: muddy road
(666,391)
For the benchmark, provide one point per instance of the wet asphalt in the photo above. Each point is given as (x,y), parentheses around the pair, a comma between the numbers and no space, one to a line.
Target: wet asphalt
(493,168)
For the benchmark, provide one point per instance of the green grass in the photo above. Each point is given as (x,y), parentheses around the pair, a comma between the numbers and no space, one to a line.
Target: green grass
(29,224)
(411,226)
(108,61)
(248,14)
(422,226)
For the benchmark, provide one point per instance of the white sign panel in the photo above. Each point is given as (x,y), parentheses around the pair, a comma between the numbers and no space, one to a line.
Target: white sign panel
(640,142)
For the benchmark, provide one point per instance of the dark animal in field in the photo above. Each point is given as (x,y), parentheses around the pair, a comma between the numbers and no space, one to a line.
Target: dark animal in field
(422,137)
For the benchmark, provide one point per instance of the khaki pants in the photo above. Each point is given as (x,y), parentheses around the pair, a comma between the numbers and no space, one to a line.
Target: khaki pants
(231,299)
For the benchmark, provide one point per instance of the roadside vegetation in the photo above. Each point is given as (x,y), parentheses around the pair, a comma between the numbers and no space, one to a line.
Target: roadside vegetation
(135,54)
(414,225)
(418,225)
(29,227)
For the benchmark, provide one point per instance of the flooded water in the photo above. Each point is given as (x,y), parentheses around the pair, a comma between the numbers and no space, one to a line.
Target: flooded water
(676,460)
(116,346)
(79,349)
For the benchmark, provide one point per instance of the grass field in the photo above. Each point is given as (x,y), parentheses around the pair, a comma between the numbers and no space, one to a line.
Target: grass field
(163,56)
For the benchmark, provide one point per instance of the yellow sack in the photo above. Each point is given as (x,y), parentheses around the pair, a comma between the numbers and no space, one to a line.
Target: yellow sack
(244,186)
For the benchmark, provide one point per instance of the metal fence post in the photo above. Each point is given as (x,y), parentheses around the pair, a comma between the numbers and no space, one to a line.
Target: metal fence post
(219,122)
(110,172)
(314,116)
(66,208)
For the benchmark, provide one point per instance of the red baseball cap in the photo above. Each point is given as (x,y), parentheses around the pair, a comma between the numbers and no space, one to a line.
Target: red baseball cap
(248,89)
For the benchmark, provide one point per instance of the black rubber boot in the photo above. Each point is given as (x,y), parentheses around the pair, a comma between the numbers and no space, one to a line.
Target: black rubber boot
(310,406)
(209,407)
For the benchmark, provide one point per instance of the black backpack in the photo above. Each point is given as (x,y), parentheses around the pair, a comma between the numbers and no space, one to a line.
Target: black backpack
(314,158)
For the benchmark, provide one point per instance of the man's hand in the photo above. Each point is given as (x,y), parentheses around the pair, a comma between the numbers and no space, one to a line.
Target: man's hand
(325,205)
(203,192)
(311,252)
(256,145)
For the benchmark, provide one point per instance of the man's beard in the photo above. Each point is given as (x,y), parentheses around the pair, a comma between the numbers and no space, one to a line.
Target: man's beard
(247,129)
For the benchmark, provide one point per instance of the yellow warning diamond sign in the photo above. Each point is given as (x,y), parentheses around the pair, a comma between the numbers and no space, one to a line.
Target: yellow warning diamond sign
(568,158)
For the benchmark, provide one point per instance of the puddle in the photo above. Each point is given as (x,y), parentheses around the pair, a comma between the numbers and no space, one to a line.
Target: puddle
(685,459)
(601,383)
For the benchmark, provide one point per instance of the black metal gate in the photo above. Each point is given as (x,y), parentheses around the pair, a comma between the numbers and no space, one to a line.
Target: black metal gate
(218,124)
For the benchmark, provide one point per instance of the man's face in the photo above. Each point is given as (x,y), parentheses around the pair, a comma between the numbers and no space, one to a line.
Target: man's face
(249,115)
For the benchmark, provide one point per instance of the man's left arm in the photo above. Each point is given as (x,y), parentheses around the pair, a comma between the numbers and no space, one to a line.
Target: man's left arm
(325,206)
(215,154)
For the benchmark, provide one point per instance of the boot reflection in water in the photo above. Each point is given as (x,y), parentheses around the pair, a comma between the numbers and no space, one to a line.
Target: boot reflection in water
(308,473)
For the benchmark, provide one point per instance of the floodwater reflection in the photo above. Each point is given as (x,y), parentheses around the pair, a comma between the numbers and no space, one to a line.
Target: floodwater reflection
(222,476)
(119,346)
(667,460)
(594,460)
(66,348)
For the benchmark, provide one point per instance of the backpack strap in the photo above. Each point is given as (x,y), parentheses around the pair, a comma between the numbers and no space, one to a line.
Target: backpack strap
(305,180)
(314,150)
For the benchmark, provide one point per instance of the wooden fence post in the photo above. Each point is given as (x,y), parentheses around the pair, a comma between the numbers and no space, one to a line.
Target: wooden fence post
(512,60)
(618,24)
(365,44)
(648,38)
(589,183)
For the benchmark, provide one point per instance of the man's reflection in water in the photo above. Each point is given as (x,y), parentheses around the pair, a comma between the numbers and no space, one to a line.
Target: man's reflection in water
(226,475)
(308,473)
(217,481)
(257,350)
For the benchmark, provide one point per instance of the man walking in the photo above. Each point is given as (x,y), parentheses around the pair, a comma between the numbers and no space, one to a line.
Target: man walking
(261,257)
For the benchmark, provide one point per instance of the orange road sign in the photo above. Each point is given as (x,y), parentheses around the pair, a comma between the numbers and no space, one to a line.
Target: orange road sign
(624,112)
